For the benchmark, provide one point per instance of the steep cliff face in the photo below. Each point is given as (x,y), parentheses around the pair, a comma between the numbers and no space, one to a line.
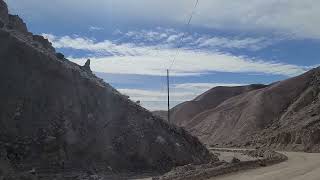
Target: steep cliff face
(11,21)
(54,113)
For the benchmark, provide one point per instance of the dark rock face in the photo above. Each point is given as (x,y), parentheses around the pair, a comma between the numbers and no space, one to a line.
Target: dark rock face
(43,42)
(16,23)
(54,114)
(4,16)
(1,24)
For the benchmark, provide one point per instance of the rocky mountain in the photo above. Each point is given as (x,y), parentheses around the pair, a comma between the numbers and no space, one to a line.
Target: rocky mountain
(283,115)
(58,116)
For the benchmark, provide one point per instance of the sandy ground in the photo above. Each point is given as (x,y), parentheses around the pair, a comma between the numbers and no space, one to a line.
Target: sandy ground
(300,166)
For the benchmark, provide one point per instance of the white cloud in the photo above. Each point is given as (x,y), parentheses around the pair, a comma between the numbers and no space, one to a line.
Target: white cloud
(147,35)
(82,43)
(294,17)
(157,99)
(174,38)
(153,60)
(187,63)
(203,86)
(299,18)
(245,43)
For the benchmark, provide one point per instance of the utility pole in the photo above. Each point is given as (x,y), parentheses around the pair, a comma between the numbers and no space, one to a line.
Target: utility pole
(168,88)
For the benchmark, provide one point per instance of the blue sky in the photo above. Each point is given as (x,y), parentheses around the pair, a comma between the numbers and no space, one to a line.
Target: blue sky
(132,43)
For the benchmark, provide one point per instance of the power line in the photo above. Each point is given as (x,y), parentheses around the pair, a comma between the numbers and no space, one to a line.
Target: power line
(184,34)
(175,56)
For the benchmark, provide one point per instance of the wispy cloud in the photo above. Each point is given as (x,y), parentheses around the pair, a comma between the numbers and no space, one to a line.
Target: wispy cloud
(299,18)
(245,43)
(172,38)
(83,43)
(95,28)
(203,86)
(130,58)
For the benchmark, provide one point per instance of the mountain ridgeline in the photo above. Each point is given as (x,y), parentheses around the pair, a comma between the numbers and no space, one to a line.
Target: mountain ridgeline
(283,115)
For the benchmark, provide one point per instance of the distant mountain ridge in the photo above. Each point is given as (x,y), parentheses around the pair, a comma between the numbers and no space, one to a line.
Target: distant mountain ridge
(284,115)
(208,100)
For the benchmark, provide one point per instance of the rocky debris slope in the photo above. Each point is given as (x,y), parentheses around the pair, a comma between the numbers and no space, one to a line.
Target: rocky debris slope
(283,115)
(298,125)
(57,116)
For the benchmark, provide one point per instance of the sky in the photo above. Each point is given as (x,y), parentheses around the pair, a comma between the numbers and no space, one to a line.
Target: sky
(131,43)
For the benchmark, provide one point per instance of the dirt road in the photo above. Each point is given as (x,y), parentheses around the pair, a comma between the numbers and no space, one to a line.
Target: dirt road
(300,166)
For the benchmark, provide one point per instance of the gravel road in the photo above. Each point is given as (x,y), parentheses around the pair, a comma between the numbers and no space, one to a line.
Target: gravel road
(300,166)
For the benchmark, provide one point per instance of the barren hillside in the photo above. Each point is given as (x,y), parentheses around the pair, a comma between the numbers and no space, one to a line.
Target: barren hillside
(210,99)
(56,115)
(284,115)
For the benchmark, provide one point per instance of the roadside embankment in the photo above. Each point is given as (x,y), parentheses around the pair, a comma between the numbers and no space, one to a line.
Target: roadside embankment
(261,157)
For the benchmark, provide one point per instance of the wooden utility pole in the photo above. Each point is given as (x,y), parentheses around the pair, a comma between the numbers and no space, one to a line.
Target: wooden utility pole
(168,88)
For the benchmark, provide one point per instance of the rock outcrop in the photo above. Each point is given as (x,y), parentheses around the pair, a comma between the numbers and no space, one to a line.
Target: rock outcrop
(4,15)
(40,41)
(16,23)
(86,66)
(55,116)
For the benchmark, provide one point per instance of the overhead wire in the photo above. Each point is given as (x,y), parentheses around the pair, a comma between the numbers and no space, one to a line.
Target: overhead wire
(162,88)
(184,34)
(180,45)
